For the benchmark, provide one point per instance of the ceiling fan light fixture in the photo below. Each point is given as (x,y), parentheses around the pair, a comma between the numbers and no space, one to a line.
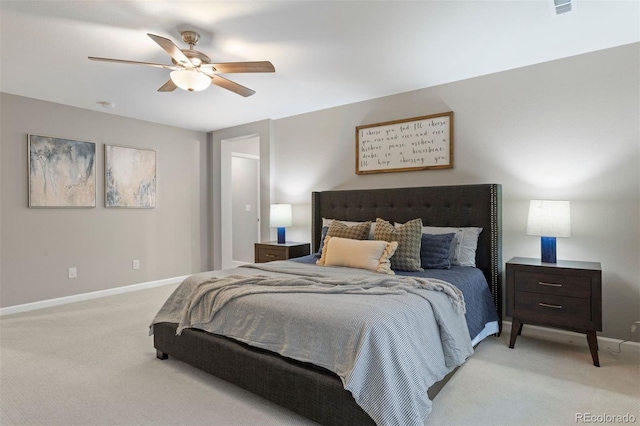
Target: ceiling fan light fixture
(192,81)
(193,70)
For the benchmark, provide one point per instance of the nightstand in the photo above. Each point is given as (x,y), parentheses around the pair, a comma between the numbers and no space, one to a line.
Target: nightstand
(266,252)
(567,294)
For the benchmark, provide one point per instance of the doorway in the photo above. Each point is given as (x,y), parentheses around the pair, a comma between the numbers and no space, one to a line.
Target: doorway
(240,200)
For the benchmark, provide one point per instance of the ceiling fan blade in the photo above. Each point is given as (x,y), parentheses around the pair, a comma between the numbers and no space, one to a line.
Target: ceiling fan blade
(173,50)
(169,86)
(148,64)
(230,85)
(237,67)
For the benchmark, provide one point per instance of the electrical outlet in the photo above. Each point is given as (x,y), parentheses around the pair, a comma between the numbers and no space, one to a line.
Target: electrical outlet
(634,326)
(73,272)
(135,264)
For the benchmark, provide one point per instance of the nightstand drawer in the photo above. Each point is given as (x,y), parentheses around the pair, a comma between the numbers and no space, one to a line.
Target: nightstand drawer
(545,308)
(270,254)
(270,251)
(555,284)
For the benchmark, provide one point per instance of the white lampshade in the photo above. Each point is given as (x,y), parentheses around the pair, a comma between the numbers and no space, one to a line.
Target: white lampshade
(280,215)
(193,81)
(549,218)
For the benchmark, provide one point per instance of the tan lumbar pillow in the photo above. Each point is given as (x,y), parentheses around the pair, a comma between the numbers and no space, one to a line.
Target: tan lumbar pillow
(362,254)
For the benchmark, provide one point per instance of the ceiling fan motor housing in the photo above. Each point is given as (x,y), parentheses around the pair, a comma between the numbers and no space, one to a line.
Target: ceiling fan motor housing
(190,37)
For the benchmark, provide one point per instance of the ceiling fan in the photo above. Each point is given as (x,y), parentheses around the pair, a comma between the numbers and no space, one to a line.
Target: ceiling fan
(193,70)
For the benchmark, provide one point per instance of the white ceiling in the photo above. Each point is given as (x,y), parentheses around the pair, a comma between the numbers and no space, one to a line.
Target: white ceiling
(326,53)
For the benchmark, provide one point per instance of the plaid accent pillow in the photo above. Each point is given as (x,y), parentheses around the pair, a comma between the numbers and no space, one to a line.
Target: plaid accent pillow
(408,236)
(355,232)
(326,222)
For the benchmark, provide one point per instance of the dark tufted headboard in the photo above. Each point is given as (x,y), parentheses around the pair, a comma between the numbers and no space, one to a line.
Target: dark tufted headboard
(462,205)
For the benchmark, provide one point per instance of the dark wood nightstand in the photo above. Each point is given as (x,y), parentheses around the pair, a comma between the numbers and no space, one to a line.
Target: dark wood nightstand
(567,294)
(271,250)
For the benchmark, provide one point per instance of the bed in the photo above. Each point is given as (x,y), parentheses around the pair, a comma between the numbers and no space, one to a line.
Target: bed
(314,391)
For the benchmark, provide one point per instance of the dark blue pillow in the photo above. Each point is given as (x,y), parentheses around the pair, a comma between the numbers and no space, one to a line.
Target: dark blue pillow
(323,234)
(434,251)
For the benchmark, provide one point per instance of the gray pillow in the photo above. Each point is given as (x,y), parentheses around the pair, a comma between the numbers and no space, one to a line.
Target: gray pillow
(323,234)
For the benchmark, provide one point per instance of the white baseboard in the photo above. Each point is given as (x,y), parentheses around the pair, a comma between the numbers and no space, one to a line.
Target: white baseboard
(565,336)
(87,296)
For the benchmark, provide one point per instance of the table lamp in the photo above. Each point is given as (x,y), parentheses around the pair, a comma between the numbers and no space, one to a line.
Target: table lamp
(280,216)
(549,219)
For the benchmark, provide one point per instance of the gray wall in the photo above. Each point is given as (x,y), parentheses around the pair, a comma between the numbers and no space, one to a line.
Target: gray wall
(566,129)
(38,245)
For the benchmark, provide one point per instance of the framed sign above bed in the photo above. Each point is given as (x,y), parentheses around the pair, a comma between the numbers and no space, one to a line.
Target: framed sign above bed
(418,143)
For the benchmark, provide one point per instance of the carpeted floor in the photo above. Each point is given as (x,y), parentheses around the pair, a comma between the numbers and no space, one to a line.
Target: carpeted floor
(93,363)
(539,382)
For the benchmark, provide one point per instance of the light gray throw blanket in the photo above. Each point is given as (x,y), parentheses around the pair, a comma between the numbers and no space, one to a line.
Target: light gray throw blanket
(210,296)
(387,337)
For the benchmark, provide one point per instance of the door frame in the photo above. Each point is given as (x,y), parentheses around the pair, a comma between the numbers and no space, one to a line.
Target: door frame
(226,235)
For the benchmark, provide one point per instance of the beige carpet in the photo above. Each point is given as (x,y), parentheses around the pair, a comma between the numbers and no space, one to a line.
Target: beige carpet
(92,363)
(539,382)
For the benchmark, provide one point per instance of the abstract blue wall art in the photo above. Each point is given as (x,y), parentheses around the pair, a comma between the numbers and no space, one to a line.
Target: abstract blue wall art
(62,172)
(130,177)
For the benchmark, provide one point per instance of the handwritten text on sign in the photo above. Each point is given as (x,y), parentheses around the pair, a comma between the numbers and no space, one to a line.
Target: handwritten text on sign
(413,144)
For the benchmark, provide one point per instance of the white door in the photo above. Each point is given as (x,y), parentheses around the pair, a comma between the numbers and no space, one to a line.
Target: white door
(244,207)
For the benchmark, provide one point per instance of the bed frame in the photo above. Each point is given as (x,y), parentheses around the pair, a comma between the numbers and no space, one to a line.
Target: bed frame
(312,391)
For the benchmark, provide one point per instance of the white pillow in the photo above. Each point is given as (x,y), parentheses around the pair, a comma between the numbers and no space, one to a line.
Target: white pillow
(327,222)
(363,254)
(466,242)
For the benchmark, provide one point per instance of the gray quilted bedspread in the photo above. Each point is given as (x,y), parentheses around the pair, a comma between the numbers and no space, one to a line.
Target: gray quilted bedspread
(388,338)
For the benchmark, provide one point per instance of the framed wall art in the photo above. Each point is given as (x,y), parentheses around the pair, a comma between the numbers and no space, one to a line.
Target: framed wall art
(418,143)
(62,172)
(130,177)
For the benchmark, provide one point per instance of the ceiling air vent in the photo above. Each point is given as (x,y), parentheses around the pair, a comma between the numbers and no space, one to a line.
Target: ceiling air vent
(561,7)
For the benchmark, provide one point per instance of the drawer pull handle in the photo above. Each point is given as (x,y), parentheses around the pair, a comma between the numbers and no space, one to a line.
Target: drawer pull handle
(549,284)
(546,305)
(270,255)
